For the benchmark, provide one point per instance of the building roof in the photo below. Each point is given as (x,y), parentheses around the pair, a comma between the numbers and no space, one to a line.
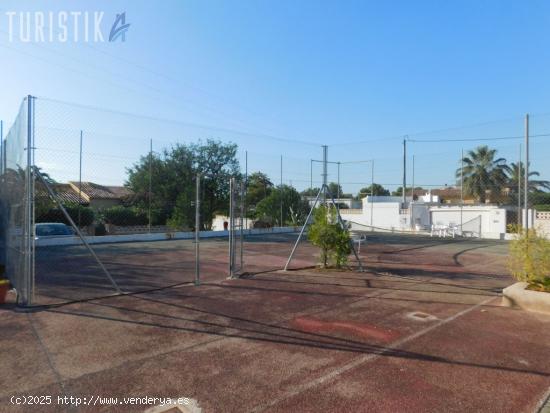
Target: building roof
(91,191)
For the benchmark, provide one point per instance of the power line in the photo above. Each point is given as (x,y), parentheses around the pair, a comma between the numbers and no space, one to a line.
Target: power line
(178,122)
(474,139)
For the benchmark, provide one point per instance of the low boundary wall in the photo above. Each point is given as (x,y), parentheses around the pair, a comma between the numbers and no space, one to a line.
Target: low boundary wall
(104,239)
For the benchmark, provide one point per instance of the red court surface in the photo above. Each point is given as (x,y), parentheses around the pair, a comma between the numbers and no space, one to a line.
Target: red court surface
(422,330)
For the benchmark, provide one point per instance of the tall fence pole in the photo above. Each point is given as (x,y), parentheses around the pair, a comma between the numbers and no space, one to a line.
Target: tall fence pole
(404,171)
(245,189)
(197,229)
(2,146)
(461,189)
(372,196)
(281,194)
(29,230)
(311,174)
(80,182)
(526,177)
(150,183)
(519,187)
(230,227)
(412,197)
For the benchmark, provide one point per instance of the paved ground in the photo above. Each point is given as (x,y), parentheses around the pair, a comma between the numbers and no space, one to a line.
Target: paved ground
(421,331)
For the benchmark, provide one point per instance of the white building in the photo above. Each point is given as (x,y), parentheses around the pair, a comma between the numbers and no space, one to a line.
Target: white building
(388,213)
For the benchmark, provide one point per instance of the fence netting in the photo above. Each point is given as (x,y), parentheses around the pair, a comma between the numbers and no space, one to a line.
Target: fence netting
(16,205)
(106,201)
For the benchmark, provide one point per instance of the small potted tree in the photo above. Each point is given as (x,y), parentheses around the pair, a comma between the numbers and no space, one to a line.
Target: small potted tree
(529,263)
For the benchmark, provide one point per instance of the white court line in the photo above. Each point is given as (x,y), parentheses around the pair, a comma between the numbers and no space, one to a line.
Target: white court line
(363,359)
(543,406)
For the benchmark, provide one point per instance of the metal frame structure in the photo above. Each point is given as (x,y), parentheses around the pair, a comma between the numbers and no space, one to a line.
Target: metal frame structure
(324,190)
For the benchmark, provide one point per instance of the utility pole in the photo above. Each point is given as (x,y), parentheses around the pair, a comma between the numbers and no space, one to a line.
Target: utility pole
(526,177)
(404,170)
(197,230)
(338,204)
(519,188)
(311,174)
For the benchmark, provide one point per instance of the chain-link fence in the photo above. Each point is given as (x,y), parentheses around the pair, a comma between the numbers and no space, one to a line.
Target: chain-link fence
(16,193)
(113,204)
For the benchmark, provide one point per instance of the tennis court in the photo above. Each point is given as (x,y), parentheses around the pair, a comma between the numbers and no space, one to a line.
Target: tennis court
(421,329)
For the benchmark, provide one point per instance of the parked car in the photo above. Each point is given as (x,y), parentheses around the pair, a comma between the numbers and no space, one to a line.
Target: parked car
(52,229)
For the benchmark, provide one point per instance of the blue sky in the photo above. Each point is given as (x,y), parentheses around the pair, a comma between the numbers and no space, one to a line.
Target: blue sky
(316,72)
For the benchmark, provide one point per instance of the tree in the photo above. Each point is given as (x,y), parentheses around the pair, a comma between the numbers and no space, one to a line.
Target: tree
(517,171)
(398,191)
(173,174)
(295,208)
(217,162)
(259,187)
(335,190)
(483,173)
(326,233)
(310,192)
(374,189)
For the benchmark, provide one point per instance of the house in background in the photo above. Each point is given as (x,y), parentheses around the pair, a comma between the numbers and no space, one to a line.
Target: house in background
(389,213)
(91,194)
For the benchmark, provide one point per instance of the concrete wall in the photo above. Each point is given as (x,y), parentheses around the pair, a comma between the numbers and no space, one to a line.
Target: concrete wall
(46,242)
(542,222)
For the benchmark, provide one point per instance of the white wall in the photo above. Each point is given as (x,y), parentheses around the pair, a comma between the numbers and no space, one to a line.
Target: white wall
(384,215)
(488,221)
(217,222)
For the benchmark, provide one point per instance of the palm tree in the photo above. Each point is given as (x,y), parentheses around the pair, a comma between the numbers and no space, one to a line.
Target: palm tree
(482,173)
(517,172)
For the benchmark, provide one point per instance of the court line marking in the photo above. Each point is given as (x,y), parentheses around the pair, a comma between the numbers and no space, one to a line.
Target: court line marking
(544,403)
(364,359)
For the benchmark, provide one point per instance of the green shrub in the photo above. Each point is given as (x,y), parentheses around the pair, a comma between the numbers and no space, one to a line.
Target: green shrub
(529,259)
(87,215)
(124,216)
(327,234)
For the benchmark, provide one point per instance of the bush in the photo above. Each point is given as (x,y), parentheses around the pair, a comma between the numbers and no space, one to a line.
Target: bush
(87,215)
(327,234)
(124,216)
(530,259)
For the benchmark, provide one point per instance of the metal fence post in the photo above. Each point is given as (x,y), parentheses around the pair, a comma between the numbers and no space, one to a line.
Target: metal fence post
(28,226)
(230,227)
(526,177)
(197,230)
